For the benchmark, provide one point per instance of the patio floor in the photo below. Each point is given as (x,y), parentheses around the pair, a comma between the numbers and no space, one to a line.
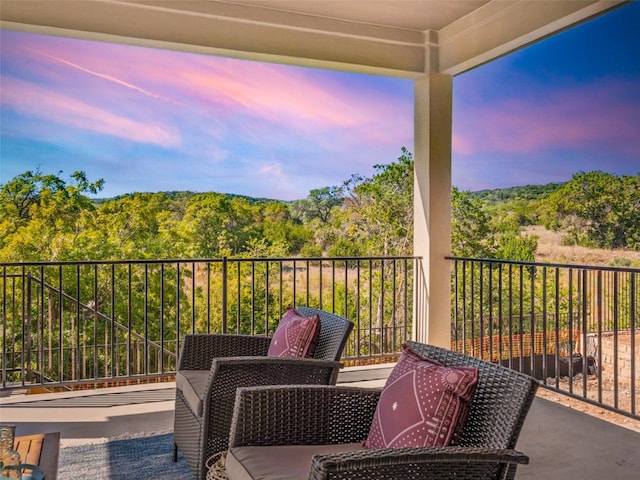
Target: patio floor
(562,443)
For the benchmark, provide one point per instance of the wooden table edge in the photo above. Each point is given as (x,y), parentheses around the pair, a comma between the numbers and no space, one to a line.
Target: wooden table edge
(49,453)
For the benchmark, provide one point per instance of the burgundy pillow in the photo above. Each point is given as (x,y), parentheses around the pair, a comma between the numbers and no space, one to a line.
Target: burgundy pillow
(423,404)
(296,335)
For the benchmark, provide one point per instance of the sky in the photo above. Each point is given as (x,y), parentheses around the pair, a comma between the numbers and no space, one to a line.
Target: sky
(158,120)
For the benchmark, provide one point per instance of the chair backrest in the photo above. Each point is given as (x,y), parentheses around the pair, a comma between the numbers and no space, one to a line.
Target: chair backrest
(500,404)
(334,332)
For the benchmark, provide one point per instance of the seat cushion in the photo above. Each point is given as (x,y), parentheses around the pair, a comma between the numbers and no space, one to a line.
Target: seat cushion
(296,335)
(291,462)
(423,404)
(192,384)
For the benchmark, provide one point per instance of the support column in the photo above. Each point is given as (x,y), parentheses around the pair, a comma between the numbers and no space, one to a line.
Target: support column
(432,209)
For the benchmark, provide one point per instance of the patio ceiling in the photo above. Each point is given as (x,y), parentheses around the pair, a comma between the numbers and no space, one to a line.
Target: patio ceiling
(395,37)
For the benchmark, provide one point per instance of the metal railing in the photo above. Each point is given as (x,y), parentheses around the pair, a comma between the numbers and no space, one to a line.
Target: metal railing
(65,324)
(68,324)
(573,327)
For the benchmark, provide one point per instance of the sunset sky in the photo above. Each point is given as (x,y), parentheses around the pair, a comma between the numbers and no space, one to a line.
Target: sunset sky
(159,120)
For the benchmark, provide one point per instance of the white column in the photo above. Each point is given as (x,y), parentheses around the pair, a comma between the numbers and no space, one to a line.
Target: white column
(432,209)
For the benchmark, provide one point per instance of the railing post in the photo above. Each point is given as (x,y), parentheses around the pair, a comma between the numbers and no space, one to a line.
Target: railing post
(224,294)
(26,335)
(5,319)
(632,330)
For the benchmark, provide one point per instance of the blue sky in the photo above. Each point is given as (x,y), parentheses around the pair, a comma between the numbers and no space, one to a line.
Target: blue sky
(154,120)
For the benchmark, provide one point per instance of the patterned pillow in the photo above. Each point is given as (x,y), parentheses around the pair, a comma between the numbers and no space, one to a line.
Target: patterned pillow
(296,335)
(423,404)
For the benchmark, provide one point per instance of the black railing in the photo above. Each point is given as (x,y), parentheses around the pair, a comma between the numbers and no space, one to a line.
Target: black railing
(573,327)
(74,323)
(67,324)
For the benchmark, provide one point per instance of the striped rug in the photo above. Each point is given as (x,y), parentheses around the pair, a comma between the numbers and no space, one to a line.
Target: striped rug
(144,457)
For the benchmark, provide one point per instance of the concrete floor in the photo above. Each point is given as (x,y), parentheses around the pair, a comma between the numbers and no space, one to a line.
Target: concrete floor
(562,443)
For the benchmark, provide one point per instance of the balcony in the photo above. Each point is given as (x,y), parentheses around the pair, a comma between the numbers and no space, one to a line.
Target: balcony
(106,334)
(72,326)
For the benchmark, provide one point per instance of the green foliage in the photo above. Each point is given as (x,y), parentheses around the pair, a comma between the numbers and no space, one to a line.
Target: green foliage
(517,193)
(598,209)
(215,225)
(21,196)
(621,262)
(520,248)
(311,250)
(278,227)
(136,226)
(318,205)
(261,248)
(482,232)
(470,228)
(376,216)
(44,218)
(343,247)
(42,215)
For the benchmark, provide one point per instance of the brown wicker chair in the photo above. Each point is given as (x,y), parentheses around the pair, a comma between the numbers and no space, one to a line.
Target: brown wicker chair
(212,367)
(320,429)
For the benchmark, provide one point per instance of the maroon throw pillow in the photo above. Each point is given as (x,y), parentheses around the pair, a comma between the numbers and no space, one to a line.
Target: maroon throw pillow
(423,404)
(296,335)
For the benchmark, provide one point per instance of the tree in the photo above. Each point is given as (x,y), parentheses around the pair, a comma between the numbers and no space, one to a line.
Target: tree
(318,204)
(377,213)
(135,226)
(470,227)
(279,228)
(376,219)
(598,209)
(475,233)
(206,225)
(215,225)
(521,248)
(41,215)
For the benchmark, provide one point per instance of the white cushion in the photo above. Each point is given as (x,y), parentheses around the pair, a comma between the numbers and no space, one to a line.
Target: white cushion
(290,462)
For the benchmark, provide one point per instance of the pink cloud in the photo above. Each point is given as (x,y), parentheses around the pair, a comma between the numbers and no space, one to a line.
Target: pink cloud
(219,98)
(295,98)
(108,78)
(584,116)
(39,102)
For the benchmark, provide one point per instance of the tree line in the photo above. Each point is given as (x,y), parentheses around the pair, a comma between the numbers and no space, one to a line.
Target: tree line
(44,217)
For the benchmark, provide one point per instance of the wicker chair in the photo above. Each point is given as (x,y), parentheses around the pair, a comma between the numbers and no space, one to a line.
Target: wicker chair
(212,367)
(319,431)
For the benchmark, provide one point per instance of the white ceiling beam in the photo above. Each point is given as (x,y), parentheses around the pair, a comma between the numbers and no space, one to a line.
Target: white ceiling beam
(227,29)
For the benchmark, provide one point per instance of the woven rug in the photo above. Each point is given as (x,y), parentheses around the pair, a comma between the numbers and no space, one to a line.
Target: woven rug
(144,457)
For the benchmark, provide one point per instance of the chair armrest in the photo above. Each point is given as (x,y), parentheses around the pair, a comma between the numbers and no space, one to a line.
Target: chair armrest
(198,350)
(228,374)
(472,463)
(302,415)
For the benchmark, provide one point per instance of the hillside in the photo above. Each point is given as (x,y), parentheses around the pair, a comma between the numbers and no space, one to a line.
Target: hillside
(524,192)
(185,194)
